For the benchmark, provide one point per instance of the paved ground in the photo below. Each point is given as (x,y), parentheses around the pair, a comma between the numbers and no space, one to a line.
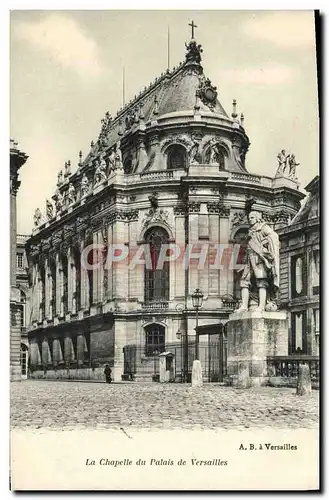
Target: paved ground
(67,405)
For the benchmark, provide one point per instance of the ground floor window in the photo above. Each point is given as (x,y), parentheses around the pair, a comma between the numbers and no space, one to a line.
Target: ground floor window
(298,333)
(154,339)
(24,355)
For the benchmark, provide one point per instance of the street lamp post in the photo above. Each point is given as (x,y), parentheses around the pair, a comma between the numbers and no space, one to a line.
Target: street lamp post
(197,299)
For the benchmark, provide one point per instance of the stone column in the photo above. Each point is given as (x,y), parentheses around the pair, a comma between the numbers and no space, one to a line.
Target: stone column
(95,271)
(193,263)
(84,284)
(203,237)
(213,250)
(59,287)
(135,274)
(120,341)
(47,289)
(120,269)
(69,280)
(73,284)
(223,240)
(109,271)
(178,267)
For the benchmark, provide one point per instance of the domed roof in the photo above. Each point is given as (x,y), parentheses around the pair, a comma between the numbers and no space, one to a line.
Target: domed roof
(182,91)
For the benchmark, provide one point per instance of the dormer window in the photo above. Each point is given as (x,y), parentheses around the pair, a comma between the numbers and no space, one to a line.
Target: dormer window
(176,157)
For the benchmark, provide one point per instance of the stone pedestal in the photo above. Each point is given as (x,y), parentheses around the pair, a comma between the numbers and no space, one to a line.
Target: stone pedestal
(197,374)
(251,337)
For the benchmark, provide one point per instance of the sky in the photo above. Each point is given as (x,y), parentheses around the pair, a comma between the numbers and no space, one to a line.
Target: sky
(66,72)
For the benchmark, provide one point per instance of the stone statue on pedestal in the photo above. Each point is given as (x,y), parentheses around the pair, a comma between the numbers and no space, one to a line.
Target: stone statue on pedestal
(260,275)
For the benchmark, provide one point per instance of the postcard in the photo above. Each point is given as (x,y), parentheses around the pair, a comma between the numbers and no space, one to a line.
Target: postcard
(165,250)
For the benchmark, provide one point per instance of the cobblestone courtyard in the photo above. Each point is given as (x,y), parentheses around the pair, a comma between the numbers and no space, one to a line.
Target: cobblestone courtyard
(65,405)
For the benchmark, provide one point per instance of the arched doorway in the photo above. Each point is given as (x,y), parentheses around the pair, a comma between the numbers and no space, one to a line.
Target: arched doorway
(24,361)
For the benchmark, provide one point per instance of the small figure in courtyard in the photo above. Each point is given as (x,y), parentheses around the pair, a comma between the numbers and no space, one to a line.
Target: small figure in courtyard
(107,373)
(260,274)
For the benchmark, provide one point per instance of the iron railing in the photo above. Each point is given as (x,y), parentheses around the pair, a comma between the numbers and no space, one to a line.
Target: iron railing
(288,366)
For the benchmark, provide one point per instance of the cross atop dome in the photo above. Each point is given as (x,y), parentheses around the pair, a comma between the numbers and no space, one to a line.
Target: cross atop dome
(192,26)
(194,50)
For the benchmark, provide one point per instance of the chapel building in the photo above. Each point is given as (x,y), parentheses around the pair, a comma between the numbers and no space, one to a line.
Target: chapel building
(169,169)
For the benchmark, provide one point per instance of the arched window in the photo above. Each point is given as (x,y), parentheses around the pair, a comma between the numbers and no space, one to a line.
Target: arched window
(156,280)
(176,157)
(240,238)
(154,339)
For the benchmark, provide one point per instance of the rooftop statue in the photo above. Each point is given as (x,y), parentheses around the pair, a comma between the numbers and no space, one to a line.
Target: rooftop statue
(59,203)
(194,52)
(49,209)
(71,195)
(260,274)
(194,153)
(118,158)
(37,217)
(60,178)
(292,167)
(100,172)
(84,186)
(67,171)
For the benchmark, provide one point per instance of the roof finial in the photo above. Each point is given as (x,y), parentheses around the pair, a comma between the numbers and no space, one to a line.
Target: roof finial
(242,120)
(80,158)
(234,113)
(156,106)
(192,26)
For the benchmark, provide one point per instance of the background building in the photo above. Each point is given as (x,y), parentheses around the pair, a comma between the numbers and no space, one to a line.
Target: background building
(169,168)
(300,274)
(17,160)
(22,284)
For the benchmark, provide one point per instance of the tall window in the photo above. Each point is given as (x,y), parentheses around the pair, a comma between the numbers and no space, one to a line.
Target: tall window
(22,308)
(19,260)
(156,280)
(154,339)
(298,333)
(298,276)
(176,157)
(315,272)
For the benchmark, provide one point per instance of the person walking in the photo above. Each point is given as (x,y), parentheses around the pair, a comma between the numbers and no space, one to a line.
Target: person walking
(107,373)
